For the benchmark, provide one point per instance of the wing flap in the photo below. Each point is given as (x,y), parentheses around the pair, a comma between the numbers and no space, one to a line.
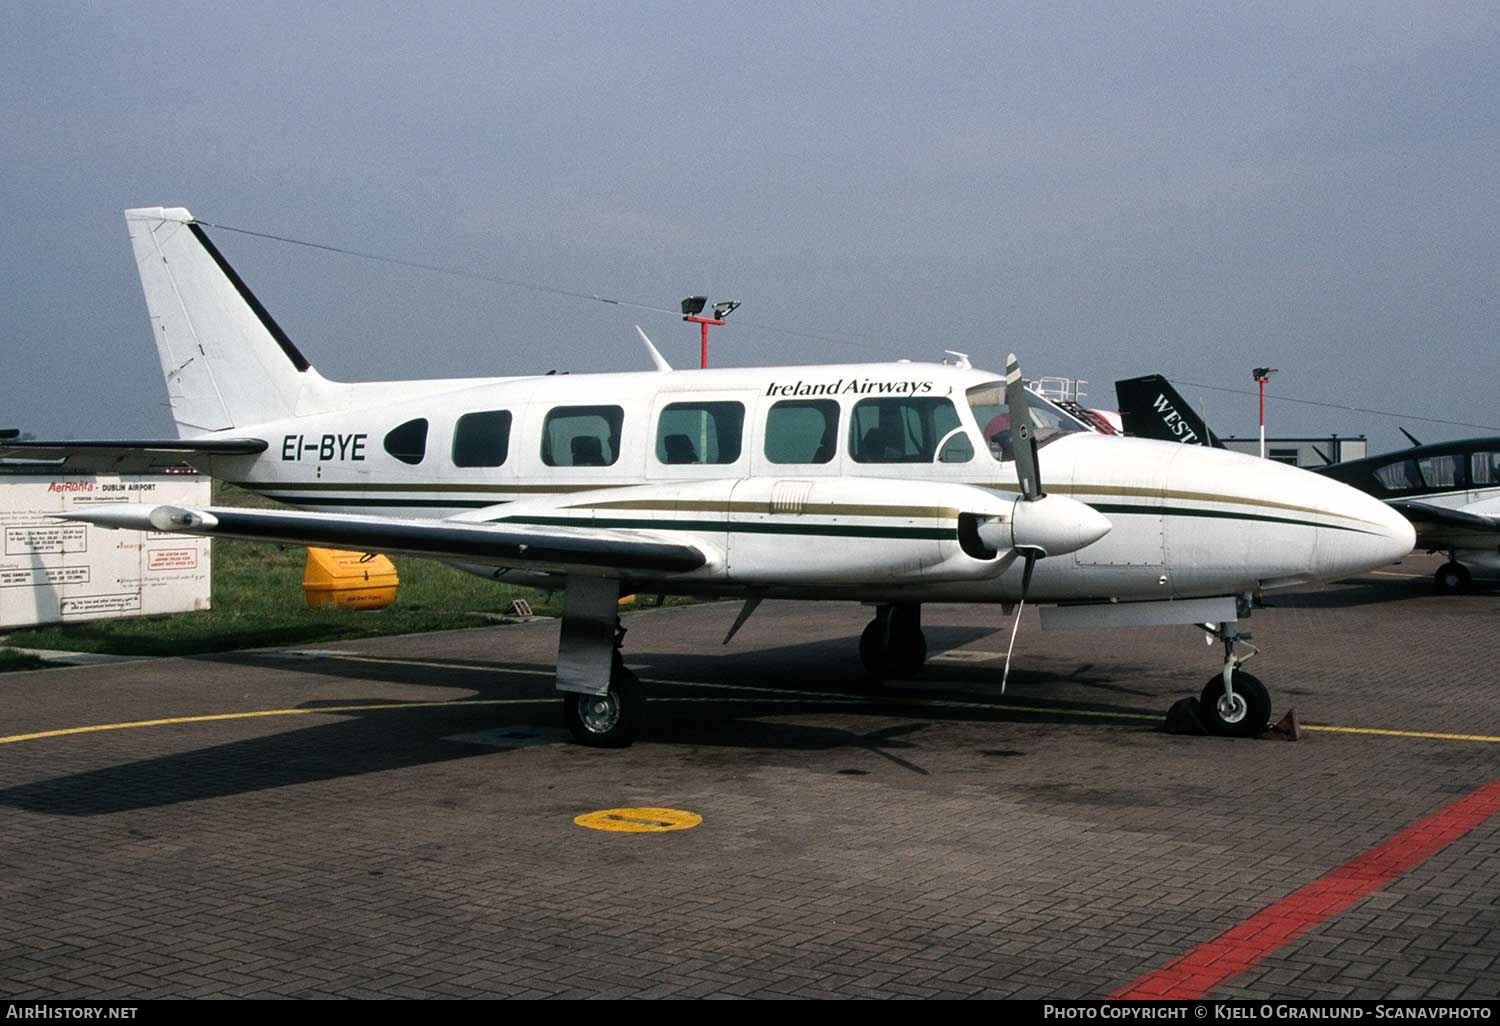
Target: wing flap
(610,552)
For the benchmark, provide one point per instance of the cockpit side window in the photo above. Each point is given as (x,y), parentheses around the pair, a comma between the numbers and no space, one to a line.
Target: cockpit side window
(1048,423)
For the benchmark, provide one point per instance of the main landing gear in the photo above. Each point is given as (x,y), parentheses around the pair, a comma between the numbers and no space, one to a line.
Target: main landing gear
(1452,578)
(892,646)
(1233,703)
(603,702)
(613,719)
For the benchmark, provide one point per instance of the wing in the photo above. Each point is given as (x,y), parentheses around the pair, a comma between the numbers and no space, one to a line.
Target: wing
(120,456)
(601,552)
(1441,528)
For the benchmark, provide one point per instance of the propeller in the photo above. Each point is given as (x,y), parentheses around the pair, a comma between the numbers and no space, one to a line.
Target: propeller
(1023,441)
(1040,524)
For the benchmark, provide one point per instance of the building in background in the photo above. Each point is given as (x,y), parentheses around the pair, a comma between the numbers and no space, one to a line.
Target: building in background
(1307,453)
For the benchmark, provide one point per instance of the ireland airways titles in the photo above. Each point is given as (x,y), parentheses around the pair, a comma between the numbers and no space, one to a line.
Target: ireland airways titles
(855,386)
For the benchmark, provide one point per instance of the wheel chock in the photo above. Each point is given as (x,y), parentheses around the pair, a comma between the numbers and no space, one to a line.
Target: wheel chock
(1285,729)
(1185,717)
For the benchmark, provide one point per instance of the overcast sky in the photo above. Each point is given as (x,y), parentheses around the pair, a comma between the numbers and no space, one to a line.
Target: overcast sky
(1107,189)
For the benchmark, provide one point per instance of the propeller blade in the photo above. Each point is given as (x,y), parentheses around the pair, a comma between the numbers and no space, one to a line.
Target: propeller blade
(1031,557)
(1023,439)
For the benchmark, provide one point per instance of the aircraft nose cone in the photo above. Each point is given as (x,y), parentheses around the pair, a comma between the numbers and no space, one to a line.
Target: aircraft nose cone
(1359,533)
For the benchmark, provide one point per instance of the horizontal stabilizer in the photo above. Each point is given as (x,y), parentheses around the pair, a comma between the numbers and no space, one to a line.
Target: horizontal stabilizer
(558,549)
(126,455)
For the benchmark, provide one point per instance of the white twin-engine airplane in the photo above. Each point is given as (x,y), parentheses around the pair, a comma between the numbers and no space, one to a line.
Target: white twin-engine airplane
(891,484)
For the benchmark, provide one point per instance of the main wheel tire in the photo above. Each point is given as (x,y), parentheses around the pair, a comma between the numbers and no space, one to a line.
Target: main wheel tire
(611,720)
(1249,713)
(899,660)
(1452,578)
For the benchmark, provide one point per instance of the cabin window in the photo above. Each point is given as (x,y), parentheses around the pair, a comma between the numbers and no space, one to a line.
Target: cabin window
(582,436)
(1484,469)
(802,431)
(408,442)
(482,439)
(700,433)
(909,429)
(1400,476)
(1439,471)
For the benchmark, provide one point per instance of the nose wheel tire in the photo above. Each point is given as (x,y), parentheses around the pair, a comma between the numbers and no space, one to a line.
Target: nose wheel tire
(1452,578)
(1245,713)
(899,658)
(611,720)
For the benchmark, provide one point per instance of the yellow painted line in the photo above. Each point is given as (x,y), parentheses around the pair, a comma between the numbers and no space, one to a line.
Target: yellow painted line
(97,728)
(648,820)
(799,697)
(1393,573)
(1429,735)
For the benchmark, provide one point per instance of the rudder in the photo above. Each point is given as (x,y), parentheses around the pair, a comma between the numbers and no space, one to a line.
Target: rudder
(226,362)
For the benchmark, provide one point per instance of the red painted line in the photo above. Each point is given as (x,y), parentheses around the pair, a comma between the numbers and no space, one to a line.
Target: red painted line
(1194,974)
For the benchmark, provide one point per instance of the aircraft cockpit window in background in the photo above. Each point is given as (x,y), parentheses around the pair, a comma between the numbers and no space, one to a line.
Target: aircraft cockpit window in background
(1439,471)
(482,439)
(908,429)
(1484,469)
(802,431)
(582,436)
(1399,476)
(700,433)
(408,442)
(993,417)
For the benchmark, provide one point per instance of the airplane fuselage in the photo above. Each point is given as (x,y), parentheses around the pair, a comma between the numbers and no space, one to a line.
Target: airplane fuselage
(873,463)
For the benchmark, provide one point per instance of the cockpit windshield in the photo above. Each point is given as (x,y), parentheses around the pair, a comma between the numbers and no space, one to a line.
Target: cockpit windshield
(1048,422)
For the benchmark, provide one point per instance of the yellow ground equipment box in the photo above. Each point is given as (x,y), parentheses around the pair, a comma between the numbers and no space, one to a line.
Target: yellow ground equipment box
(356,580)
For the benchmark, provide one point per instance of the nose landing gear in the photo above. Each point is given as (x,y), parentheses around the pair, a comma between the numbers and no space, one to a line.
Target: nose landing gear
(1234,703)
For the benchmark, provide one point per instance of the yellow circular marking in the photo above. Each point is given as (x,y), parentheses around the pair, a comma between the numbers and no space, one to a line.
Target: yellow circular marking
(639,821)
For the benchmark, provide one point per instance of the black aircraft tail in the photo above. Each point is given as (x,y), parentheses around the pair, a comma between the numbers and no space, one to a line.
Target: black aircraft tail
(1151,408)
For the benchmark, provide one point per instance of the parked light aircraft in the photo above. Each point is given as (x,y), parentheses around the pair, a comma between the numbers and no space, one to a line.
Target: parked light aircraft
(1450,491)
(890,484)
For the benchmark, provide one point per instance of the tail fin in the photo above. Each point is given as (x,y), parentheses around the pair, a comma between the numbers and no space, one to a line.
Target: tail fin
(1151,408)
(226,362)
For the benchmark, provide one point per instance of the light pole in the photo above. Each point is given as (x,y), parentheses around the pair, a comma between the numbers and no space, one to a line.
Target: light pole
(692,310)
(1262,375)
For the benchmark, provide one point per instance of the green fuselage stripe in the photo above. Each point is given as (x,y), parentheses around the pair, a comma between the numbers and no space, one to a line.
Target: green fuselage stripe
(1213,514)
